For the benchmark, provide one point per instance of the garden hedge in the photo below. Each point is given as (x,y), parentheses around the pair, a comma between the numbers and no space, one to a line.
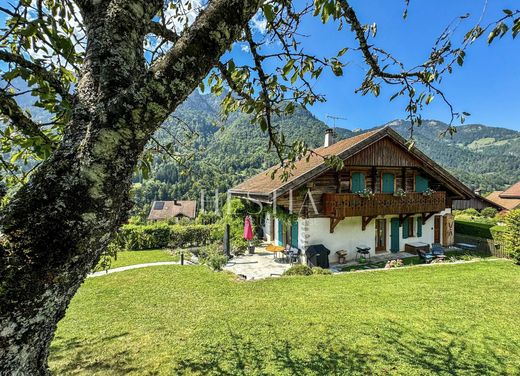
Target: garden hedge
(162,235)
(480,230)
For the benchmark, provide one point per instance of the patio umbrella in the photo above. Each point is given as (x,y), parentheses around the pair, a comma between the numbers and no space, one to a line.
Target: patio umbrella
(248,229)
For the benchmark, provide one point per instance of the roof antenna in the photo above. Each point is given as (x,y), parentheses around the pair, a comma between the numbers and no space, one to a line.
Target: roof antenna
(334,118)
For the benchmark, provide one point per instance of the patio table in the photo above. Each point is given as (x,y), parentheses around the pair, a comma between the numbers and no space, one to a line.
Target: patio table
(275,249)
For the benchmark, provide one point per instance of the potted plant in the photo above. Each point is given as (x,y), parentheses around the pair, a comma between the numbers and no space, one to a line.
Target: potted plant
(366,193)
(400,192)
(428,192)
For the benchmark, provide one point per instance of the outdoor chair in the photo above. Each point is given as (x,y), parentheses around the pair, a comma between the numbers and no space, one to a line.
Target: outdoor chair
(438,251)
(294,255)
(427,257)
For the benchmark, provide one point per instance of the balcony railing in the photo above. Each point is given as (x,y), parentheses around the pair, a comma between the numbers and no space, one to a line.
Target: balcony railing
(341,205)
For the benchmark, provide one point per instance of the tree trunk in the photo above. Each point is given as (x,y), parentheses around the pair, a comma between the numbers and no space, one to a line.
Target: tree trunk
(57,226)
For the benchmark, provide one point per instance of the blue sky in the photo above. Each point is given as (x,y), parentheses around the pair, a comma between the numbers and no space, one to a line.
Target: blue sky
(487,86)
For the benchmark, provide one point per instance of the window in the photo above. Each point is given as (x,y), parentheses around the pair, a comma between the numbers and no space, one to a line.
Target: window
(357,182)
(421,183)
(388,183)
(409,228)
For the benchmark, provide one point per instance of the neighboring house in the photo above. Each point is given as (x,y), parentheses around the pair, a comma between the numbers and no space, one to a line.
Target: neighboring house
(331,211)
(478,202)
(168,210)
(508,199)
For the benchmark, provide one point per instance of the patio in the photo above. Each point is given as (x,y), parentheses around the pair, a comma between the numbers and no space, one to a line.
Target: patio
(263,264)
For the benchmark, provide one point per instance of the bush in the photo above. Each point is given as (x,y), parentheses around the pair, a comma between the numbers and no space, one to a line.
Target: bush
(213,257)
(480,230)
(320,271)
(298,270)
(511,235)
(489,212)
(162,235)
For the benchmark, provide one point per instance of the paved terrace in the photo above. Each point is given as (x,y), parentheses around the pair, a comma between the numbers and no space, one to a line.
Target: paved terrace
(262,264)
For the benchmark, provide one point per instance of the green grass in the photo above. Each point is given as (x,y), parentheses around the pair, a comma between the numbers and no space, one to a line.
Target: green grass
(172,320)
(126,258)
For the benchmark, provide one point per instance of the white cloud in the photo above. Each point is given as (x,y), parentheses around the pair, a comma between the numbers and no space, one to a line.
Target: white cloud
(259,22)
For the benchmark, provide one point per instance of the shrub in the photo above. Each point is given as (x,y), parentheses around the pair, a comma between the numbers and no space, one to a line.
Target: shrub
(298,270)
(162,235)
(321,271)
(239,246)
(488,212)
(472,212)
(480,230)
(511,235)
(213,256)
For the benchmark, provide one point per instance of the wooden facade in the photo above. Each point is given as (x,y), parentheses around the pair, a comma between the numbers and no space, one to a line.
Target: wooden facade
(331,194)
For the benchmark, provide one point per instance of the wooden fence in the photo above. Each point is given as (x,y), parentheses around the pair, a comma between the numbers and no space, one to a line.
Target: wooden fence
(488,247)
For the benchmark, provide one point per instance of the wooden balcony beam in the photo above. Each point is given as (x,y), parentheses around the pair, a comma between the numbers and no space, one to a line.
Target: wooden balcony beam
(333,223)
(365,221)
(426,216)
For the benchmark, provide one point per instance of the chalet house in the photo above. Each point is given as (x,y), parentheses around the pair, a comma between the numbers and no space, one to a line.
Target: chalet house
(508,199)
(172,210)
(387,195)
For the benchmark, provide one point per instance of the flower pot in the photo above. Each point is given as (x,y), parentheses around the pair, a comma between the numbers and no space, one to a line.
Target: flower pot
(251,249)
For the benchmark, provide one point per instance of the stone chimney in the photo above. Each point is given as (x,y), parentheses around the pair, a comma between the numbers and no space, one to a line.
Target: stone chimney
(328,137)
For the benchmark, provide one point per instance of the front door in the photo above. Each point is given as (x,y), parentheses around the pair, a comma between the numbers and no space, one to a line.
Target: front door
(437,229)
(381,235)
(394,233)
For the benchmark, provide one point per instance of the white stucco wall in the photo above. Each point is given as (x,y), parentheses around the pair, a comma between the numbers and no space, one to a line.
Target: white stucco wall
(348,234)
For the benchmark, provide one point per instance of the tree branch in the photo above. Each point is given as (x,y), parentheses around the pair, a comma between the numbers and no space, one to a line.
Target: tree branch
(351,18)
(198,50)
(39,71)
(10,109)
(163,32)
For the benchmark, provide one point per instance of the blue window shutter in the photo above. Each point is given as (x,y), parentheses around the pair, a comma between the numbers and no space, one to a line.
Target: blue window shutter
(421,183)
(280,232)
(294,235)
(388,183)
(405,229)
(419,226)
(358,182)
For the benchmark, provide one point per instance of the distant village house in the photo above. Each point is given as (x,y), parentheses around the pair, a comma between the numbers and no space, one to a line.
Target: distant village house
(172,210)
(508,199)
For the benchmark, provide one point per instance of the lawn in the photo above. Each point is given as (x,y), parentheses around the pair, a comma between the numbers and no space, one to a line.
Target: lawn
(459,319)
(126,258)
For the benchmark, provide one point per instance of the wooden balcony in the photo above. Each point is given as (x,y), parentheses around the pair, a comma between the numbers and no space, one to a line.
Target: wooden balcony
(341,205)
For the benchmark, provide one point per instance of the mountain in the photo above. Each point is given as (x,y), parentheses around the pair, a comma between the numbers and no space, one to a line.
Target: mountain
(227,152)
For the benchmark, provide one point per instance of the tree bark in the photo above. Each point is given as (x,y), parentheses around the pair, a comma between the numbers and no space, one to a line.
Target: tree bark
(57,226)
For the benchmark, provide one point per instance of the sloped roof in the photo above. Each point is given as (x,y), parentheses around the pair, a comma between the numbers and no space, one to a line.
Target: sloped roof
(163,210)
(507,203)
(512,192)
(263,185)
